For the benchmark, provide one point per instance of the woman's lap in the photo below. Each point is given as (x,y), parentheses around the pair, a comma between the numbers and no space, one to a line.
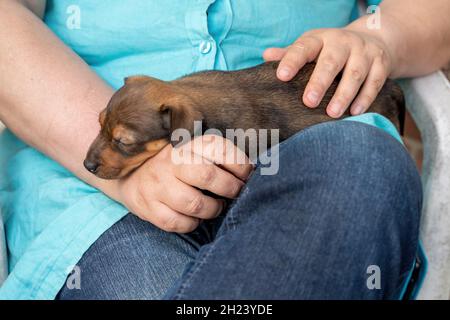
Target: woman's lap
(131,260)
(347,196)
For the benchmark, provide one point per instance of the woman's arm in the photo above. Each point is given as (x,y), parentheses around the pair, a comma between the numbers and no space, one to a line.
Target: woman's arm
(413,40)
(49,97)
(417,34)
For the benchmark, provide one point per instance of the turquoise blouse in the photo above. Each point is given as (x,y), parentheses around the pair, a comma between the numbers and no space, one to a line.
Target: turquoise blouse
(51,216)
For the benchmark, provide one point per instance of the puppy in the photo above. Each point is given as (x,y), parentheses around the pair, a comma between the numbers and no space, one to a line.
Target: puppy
(139,119)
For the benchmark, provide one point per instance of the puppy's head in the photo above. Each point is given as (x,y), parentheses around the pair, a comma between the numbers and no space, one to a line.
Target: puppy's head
(137,124)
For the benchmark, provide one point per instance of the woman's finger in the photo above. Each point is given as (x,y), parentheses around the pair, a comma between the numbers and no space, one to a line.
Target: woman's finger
(209,177)
(305,49)
(331,61)
(220,151)
(274,54)
(372,86)
(168,219)
(355,73)
(190,201)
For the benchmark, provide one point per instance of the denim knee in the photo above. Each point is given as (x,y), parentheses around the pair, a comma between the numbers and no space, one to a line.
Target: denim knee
(346,161)
(352,158)
(349,188)
(366,182)
(351,154)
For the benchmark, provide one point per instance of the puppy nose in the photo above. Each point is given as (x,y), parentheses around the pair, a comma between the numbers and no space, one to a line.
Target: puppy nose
(91,166)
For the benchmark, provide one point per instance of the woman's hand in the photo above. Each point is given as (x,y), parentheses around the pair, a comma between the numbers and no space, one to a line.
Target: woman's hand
(364,59)
(165,190)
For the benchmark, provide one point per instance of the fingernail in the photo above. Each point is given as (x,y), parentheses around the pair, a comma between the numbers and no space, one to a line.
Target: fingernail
(284,73)
(335,109)
(358,110)
(313,97)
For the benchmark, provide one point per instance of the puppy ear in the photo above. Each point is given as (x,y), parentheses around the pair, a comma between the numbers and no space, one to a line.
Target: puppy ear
(101,117)
(180,113)
(136,79)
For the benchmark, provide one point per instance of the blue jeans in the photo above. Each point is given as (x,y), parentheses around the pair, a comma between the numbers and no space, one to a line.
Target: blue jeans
(347,197)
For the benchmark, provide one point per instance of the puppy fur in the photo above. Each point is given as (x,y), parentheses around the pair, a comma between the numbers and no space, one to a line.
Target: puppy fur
(141,115)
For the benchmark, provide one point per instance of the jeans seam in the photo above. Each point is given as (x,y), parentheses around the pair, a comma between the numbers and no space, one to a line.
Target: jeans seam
(193,271)
(231,220)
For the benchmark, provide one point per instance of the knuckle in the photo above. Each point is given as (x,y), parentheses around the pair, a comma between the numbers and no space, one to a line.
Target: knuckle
(171,224)
(377,51)
(381,53)
(299,45)
(247,169)
(367,98)
(356,74)
(139,199)
(292,58)
(208,174)
(377,84)
(345,96)
(330,64)
(383,57)
(195,205)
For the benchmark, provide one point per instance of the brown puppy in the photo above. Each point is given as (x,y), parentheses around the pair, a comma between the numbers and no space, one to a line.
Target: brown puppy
(141,115)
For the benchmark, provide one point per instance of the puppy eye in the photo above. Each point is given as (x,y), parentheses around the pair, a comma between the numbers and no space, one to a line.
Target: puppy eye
(121,143)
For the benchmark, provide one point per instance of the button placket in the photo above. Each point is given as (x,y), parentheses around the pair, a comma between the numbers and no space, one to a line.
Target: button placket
(205,47)
(196,21)
(221,62)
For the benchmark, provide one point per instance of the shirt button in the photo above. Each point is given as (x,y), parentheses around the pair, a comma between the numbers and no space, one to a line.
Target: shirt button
(205,47)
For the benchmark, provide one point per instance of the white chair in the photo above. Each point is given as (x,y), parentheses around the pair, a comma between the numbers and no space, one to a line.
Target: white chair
(428,101)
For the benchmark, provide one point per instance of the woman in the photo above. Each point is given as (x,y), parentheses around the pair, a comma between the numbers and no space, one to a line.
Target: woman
(347,196)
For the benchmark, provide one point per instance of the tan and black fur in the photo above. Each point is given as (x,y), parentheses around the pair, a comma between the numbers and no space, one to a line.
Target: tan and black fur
(141,115)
